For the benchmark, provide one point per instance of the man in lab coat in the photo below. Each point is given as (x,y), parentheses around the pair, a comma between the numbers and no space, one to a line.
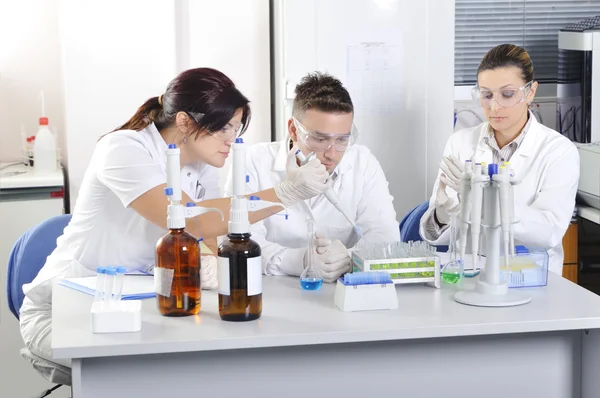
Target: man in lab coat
(321,122)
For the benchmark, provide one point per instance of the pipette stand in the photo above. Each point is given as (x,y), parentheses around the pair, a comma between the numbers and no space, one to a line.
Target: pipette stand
(489,290)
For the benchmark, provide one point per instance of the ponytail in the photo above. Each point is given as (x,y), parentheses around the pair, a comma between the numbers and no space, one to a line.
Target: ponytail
(150,112)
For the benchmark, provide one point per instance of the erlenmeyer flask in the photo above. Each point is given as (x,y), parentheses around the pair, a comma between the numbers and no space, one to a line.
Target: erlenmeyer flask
(453,271)
(311,278)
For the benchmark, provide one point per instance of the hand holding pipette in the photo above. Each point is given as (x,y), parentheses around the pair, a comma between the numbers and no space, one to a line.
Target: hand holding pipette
(330,194)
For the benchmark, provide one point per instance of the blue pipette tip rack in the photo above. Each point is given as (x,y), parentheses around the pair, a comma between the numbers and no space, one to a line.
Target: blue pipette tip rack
(239,140)
(172,146)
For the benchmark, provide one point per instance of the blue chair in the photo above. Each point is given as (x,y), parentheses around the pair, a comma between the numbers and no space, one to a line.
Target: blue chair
(28,256)
(409,226)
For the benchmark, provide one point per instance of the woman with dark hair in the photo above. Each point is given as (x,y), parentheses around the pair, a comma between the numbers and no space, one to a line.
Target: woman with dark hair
(545,162)
(121,210)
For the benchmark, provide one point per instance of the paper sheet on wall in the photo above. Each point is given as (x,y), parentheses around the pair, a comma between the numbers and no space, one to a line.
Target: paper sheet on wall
(374,72)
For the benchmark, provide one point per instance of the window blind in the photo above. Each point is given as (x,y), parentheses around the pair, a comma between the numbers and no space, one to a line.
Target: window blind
(532,24)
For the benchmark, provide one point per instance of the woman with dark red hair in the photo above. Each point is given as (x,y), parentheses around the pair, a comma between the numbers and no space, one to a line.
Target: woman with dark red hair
(121,210)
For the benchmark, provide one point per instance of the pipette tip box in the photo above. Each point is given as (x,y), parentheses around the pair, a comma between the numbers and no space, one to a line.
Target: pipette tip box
(116,316)
(369,297)
(403,270)
(526,269)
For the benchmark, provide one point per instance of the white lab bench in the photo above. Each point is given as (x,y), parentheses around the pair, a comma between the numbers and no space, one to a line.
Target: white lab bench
(304,346)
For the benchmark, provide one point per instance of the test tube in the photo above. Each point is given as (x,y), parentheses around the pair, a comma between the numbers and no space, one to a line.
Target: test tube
(100,278)
(109,283)
(118,288)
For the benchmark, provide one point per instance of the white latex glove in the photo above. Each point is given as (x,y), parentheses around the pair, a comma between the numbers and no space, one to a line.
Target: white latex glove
(331,257)
(303,182)
(208,273)
(452,172)
(443,204)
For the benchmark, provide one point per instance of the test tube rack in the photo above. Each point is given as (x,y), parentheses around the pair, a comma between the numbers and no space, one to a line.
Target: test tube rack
(403,270)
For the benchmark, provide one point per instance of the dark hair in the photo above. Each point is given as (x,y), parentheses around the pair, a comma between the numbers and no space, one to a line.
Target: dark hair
(323,92)
(208,96)
(507,55)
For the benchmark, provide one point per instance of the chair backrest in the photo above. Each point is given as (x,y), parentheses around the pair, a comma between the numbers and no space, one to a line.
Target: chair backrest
(28,256)
(409,226)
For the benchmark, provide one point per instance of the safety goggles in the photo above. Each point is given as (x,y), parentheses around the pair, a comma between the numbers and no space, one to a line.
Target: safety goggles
(321,142)
(504,97)
(228,133)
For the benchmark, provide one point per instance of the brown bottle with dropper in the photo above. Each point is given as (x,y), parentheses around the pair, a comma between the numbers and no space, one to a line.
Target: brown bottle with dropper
(177,270)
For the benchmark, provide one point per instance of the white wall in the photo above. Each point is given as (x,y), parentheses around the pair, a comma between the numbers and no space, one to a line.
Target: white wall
(114,61)
(29,62)
(233,36)
(116,54)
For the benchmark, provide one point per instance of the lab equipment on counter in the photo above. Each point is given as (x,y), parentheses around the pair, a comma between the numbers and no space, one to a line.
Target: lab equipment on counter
(453,270)
(45,153)
(331,195)
(239,257)
(490,195)
(364,291)
(527,268)
(311,278)
(177,270)
(411,262)
(109,313)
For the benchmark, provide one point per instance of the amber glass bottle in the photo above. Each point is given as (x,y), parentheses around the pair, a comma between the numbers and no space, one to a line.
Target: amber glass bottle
(240,278)
(177,274)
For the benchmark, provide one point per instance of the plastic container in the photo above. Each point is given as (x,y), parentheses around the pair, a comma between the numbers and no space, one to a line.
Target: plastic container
(44,149)
(527,269)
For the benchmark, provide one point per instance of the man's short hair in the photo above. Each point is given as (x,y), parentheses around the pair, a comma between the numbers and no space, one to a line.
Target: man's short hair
(323,92)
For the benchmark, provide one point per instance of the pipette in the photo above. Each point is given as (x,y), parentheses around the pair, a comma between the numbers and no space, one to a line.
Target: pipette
(503,180)
(331,195)
(465,190)
(476,203)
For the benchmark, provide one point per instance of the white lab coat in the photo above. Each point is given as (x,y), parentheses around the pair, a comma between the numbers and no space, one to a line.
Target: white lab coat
(547,164)
(363,191)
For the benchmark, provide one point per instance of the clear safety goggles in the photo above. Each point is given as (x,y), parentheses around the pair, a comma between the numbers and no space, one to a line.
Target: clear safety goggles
(228,133)
(320,142)
(504,97)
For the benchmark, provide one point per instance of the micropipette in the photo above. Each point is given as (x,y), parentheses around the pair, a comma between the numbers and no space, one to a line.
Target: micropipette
(465,190)
(503,180)
(476,202)
(331,195)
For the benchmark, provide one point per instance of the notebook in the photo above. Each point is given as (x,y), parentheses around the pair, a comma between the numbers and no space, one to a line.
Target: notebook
(135,287)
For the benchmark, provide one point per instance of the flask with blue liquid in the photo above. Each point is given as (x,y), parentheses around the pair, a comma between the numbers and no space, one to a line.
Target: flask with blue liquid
(311,278)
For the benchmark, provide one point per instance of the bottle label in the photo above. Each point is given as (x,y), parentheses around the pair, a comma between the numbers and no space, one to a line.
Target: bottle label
(163,280)
(254,276)
(223,275)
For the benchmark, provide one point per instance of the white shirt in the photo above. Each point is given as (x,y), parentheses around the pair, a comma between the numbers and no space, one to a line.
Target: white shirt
(363,191)
(104,230)
(547,164)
